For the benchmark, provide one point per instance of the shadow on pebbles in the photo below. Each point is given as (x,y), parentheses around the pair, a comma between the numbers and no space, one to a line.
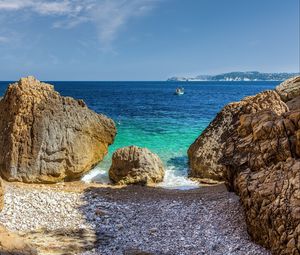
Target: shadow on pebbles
(132,220)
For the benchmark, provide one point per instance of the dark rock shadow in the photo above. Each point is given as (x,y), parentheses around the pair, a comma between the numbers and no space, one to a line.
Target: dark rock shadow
(62,241)
(111,210)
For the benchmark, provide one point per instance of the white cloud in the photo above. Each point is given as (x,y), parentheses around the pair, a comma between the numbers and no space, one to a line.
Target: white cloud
(111,16)
(108,16)
(13,5)
(42,7)
(53,8)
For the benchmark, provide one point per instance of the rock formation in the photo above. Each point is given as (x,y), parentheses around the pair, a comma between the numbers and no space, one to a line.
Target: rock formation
(135,165)
(207,150)
(13,244)
(47,138)
(289,92)
(260,161)
(263,167)
(1,195)
(289,89)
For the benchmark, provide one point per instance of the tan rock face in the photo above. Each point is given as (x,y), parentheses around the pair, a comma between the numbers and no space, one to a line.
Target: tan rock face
(45,137)
(289,89)
(263,167)
(207,150)
(135,165)
(294,103)
(255,146)
(1,195)
(12,244)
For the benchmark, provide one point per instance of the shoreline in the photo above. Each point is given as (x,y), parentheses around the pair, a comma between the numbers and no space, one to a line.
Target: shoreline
(91,219)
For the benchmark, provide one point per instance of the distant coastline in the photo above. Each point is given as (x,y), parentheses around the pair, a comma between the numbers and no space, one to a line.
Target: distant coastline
(238,76)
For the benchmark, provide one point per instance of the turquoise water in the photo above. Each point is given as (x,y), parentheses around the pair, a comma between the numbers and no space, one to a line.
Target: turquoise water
(148,114)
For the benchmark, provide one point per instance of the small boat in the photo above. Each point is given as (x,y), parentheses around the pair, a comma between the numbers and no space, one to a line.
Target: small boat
(179,91)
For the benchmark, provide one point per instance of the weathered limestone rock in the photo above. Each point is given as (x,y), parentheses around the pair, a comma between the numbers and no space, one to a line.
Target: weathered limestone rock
(1,195)
(47,138)
(255,146)
(289,89)
(294,103)
(207,150)
(263,167)
(12,244)
(135,165)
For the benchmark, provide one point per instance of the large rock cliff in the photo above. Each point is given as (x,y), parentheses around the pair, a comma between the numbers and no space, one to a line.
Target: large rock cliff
(263,167)
(204,154)
(47,138)
(258,156)
(1,194)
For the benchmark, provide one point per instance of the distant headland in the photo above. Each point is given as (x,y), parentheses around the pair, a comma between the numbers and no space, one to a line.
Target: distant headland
(238,76)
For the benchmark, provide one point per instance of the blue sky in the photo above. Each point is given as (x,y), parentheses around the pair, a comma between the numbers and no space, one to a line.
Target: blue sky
(146,39)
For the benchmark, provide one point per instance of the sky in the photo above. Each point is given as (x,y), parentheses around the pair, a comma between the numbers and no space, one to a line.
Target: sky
(146,39)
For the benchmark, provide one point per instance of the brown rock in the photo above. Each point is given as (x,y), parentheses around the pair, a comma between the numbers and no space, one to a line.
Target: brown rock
(289,89)
(294,104)
(135,165)
(263,167)
(12,244)
(207,150)
(1,195)
(47,138)
(258,153)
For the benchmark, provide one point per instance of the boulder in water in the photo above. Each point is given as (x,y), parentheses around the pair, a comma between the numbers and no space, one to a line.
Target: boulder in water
(135,165)
(47,138)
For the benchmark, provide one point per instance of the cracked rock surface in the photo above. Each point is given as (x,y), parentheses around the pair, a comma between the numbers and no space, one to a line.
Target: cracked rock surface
(136,165)
(47,138)
(204,154)
(259,159)
(263,167)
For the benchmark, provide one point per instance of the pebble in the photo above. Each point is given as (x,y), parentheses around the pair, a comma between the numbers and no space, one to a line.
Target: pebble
(157,227)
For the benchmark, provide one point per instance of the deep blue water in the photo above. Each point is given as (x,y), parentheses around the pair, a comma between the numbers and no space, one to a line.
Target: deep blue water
(148,114)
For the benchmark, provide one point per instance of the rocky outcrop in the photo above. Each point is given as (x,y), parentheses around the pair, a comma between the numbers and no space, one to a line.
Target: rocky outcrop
(13,244)
(259,159)
(135,165)
(294,104)
(289,89)
(263,166)
(1,195)
(47,138)
(204,154)
(289,92)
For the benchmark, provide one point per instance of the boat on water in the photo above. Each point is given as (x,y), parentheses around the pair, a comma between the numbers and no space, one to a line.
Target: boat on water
(179,91)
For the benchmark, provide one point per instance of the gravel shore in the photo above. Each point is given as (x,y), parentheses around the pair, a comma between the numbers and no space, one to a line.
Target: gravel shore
(92,220)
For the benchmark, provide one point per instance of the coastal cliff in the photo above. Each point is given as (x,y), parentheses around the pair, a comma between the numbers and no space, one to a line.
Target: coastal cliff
(204,154)
(257,152)
(47,138)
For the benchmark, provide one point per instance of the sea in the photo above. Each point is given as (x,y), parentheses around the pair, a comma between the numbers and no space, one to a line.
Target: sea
(149,114)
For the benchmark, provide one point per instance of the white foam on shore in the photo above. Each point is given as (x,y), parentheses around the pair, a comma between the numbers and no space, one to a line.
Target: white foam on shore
(173,178)
(97,174)
(177,180)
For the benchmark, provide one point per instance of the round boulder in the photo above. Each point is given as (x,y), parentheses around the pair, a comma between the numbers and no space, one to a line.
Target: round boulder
(135,165)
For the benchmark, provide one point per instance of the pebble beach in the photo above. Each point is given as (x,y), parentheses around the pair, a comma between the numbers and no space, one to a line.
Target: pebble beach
(92,219)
